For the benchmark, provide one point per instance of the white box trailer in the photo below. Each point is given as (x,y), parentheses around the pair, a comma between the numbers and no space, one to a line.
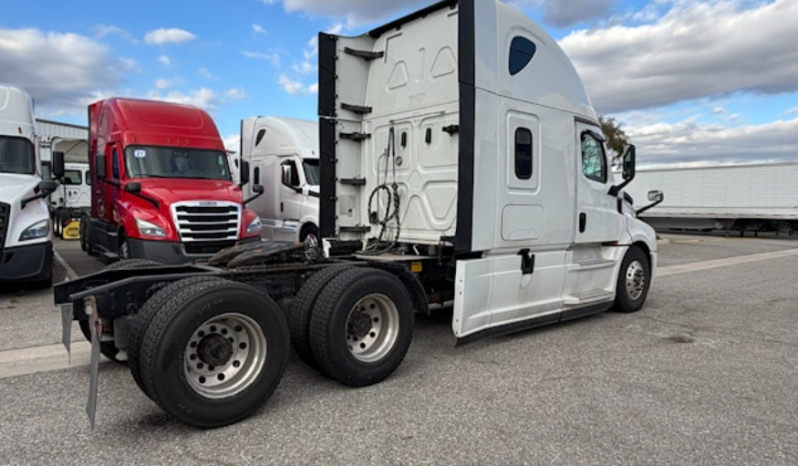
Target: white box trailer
(283,156)
(755,197)
(26,250)
(461,161)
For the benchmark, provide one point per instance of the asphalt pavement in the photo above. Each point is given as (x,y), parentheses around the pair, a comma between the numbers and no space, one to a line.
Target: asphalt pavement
(704,374)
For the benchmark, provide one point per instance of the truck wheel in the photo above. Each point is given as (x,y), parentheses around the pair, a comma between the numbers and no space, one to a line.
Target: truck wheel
(141,321)
(302,308)
(214,353)
(634,280)
(361,326)
(84,240)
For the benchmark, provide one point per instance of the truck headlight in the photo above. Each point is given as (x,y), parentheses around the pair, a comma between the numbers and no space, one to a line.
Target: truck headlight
(149,229)
(35,231)
(255,226)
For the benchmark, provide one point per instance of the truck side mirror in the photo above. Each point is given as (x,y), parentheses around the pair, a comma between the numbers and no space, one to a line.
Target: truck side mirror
(48,186)
(133,187)
(58,169)
(99,166)
(258,189)
(629,162)
(656,196)
(244,173)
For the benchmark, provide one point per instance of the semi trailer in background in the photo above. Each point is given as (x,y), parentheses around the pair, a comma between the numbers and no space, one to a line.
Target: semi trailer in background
(461,162)
(751,197)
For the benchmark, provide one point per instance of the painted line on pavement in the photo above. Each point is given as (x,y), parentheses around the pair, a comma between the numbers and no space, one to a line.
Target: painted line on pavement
(71,275)
(14,363)
(717,263)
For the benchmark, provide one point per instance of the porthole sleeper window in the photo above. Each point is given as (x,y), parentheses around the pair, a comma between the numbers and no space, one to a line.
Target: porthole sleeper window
(521,52)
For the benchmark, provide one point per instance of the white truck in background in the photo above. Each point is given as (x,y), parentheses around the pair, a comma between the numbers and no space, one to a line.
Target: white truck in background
(751,197)
(283,156)
(461,161)
(26,249)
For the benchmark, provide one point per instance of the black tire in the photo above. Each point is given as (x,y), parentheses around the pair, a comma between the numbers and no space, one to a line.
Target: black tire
(302,309)
(141,321)
(335,337)
(170,336)
(128,264)
(310,230)
(634,280)
(84,240)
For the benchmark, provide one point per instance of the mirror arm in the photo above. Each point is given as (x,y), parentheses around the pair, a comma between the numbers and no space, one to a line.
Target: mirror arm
(27,201)
(653,204)
(253,198)
(617,188)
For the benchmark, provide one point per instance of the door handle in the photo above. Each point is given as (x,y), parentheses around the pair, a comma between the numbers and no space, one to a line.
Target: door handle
(582,222)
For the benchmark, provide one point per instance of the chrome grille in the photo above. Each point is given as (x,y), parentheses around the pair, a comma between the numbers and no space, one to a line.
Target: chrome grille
(5,213)
(207,221)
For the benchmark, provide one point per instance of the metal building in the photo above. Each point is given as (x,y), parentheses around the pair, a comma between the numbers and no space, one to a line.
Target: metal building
(72,140)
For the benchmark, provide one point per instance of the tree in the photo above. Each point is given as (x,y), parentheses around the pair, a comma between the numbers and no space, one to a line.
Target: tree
(616,137)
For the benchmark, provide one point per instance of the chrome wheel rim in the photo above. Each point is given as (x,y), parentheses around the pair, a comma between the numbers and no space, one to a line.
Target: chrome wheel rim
(225,355)
(372,328)
(635,280)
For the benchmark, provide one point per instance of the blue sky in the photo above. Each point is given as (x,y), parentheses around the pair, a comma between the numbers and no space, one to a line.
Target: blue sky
(693,82)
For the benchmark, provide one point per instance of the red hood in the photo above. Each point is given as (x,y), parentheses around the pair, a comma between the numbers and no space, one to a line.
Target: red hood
(169,191)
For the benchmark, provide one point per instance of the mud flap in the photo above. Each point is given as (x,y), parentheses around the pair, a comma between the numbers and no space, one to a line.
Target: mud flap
(96,330)
(66,329)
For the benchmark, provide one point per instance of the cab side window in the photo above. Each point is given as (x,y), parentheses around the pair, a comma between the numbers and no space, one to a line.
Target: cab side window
(594,160)
(115,165)
(290,174)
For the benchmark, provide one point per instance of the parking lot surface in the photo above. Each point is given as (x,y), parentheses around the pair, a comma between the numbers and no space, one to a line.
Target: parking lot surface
(704,374)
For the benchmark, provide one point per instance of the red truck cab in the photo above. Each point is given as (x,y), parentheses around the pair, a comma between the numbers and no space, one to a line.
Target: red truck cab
(161,184)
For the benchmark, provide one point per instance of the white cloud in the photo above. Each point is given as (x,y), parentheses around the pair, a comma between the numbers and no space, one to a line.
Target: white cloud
(236,93)
(560,13)
(306,67)
(293,87)
(104,30)
(258,29)
(272,58)
(695,50)
(564,13)
(163,83)
(129,64)
(62,71)
(205,73)
(688,141)
(791,111)
(204,98)
(164,60)
(232,142)
(164,36)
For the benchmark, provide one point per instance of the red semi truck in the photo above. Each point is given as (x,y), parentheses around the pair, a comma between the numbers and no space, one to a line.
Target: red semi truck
(161,185)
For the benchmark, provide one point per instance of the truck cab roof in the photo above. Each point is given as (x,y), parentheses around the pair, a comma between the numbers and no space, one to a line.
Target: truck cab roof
(149,122)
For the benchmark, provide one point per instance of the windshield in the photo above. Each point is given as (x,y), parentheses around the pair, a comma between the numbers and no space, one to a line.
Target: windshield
(176,162)
(312,174)
(17,156)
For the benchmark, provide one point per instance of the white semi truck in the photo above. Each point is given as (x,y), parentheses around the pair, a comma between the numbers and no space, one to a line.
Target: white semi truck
(26,250)
(461,162)
(283,156)
(752,197)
